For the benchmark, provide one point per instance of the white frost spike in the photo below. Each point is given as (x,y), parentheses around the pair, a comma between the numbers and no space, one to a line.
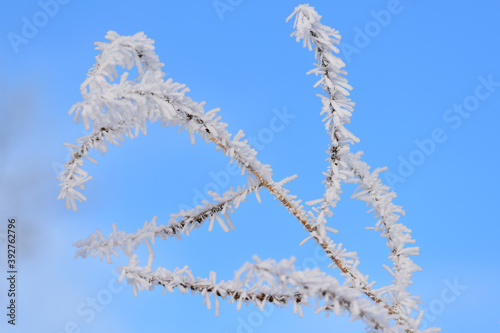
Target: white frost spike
(211,226)
(257,196)
(305,240)
(151,254)
(221,223)
(228,220)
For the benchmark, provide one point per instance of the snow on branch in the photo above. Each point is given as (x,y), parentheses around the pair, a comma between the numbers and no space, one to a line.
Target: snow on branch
(265,282)
(180,223)
(373,192)
(166,101)
(129,105)
(347,166)
(114,109)
(324,40)
(337,106)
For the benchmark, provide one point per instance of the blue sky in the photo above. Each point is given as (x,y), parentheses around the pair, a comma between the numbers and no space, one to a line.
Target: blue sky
(426,84)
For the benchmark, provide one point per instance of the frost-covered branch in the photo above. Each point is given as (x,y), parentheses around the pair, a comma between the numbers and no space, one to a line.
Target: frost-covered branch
(337,109)
(337,106)
(115,109)
(180,223)
(265,282)
(346,166)
(148,99)
(373,192)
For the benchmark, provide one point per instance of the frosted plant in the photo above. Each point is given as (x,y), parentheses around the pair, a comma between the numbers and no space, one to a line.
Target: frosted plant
(114,109)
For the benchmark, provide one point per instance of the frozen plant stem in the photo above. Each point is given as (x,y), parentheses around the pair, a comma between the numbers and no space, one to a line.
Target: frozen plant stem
(347,166)
(115,109)
(284,285)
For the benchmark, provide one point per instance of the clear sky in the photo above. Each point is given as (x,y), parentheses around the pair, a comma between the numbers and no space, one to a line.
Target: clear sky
(426,80)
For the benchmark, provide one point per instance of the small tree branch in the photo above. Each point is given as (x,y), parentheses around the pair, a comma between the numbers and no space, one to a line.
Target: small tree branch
(98,245)
(262,283)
